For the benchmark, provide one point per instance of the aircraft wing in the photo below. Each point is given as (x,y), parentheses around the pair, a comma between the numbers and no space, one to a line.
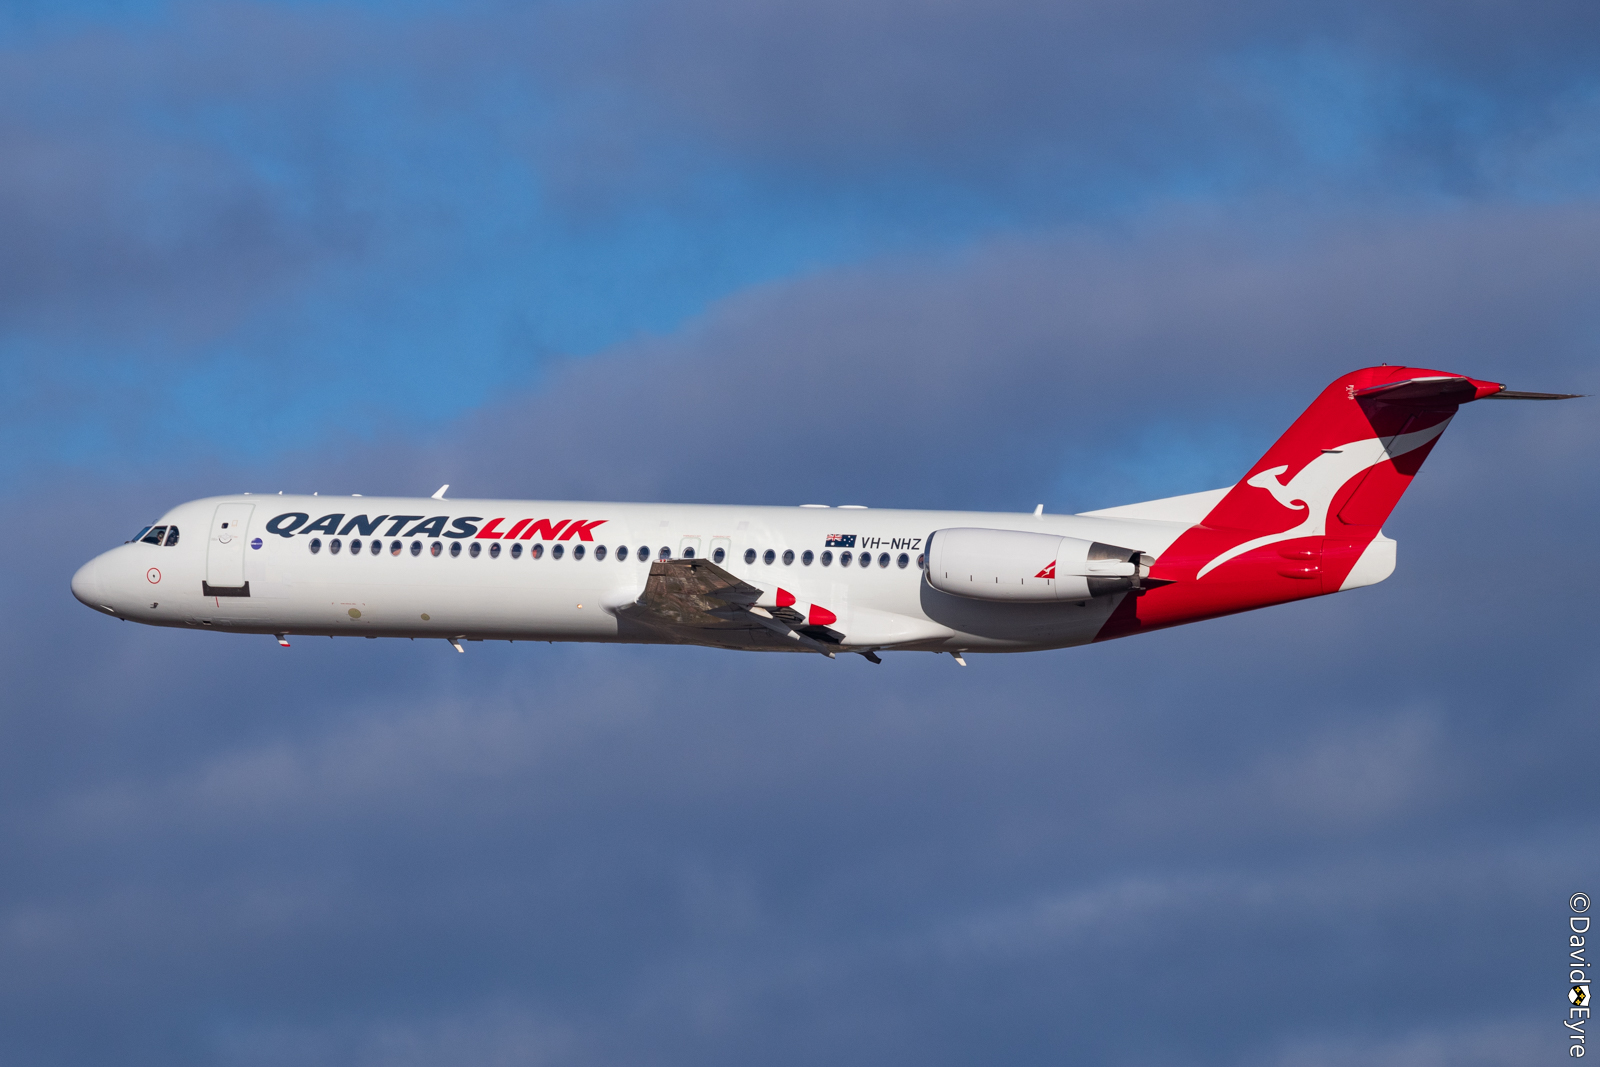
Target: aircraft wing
(697,602)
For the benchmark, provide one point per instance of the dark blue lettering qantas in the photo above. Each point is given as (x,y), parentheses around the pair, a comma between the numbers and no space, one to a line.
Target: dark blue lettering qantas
(291,523)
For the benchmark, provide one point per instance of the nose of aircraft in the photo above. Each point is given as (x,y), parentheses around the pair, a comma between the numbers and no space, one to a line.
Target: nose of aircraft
(86,584)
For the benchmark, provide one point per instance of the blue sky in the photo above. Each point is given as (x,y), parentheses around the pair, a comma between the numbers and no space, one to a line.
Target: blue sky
(352,215)
(964,255)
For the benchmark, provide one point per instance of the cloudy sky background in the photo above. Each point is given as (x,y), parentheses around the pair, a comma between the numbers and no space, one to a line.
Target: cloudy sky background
(959,254)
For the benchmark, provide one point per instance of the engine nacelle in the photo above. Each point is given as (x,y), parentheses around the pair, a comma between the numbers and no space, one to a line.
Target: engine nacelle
(1019,566)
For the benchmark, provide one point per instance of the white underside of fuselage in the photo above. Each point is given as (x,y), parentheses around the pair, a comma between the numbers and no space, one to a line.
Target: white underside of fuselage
(294,591)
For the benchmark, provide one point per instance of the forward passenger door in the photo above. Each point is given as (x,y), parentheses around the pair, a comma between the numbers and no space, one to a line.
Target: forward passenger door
(225,551)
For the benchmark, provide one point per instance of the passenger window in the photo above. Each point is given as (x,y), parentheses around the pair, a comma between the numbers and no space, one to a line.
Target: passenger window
(577,551)
(883,559)
(536,550)
(806,557)
(516,550)
(788,556)
(316,545)
(922,561)
(455,549)
(644,553)
(622,553)
(866,559)
(475,549)
(172,536)
(395,547)
(719,555)
(436,548)
(845,558)
(827,559)
(768,556)
(688,552)
(335,545)
(416,548)
(749,555)
(903,560)
(666,553)
(599,552)
(556,551)
(494,550)
(155,535)
(355,546)
(377,546)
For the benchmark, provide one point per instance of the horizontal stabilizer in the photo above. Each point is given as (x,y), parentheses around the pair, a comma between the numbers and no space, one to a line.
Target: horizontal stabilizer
(1432,389)
(1447,389)
(1510,394)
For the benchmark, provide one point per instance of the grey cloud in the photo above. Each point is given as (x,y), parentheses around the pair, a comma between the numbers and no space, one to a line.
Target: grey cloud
(171,179)
(1018,368)
(108,231)
(181,175)
(1029,94)
(1469,1045)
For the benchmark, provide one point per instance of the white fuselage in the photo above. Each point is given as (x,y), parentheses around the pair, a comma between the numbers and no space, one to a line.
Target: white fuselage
(447,569)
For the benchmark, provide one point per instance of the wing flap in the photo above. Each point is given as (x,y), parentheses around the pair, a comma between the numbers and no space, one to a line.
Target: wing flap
(697,602)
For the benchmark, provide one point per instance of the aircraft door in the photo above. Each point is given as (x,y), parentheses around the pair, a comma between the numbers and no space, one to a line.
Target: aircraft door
(689,548)
(225,550)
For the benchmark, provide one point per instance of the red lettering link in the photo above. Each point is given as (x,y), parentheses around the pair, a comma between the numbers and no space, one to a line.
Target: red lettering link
(488,531)
(511,534)
(581,528)
(545,531)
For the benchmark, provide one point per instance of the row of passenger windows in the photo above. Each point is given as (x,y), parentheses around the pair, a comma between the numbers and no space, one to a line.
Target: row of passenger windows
(166,536)
(475,549)
(846,559)
(537,549)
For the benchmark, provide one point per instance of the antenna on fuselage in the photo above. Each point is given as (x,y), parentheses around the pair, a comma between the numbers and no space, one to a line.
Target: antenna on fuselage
(440,494)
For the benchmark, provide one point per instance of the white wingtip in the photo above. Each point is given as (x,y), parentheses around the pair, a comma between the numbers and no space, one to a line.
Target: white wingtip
(440,494)
(455,643)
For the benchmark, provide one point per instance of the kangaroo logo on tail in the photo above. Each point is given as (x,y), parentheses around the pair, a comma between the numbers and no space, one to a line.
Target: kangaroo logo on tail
(1312,490)
(1283,494)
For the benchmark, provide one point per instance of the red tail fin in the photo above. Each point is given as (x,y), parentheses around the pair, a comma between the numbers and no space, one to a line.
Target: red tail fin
(1346,461)
(1299,520)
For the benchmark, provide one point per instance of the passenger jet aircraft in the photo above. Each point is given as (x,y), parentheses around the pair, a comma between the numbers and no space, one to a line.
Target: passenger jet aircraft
(1304,521)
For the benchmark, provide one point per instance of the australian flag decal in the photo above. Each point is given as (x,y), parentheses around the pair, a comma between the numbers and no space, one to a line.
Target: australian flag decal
(840,541)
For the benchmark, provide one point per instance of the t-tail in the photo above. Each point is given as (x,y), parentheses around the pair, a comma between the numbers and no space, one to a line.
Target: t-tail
(1307,518)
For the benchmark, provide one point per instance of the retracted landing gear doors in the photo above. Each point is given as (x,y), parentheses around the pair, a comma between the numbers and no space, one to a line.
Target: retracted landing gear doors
(225,551)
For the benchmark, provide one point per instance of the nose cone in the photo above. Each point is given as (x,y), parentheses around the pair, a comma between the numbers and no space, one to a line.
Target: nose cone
(86,584)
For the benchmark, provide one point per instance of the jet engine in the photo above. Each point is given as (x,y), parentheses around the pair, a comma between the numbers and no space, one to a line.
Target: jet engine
(1014,565)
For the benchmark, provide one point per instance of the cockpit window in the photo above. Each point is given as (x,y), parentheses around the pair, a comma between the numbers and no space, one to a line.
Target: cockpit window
(140,535)
(155,535)
(172,536)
